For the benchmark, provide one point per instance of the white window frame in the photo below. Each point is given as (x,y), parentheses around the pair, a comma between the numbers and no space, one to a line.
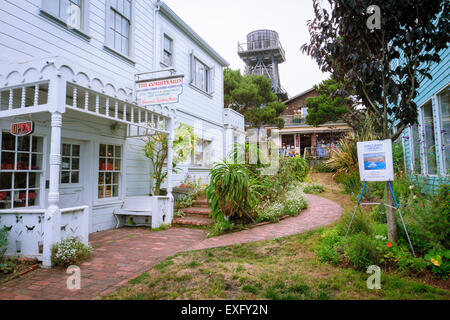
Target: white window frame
(84,15)
(109,44)
(204,154)
(39,173)
(443,164)
(210,75)
(71,170)
(163,49)
(120,172)
(424,142)
(412,149)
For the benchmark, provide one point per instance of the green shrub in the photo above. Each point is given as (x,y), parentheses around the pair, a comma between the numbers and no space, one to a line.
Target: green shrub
(330,248)
(272,213)
(300,168)
(3,241)
(221,226)
(351,182)
(438,220)
(7,267)
(232,192)
(295,200)
(402,259)
(416,215)
(322,168)
(440,262)
(185,202)
(363,251)
(314,188)
(294,206)
(398,156)
(70,252)
(362,223)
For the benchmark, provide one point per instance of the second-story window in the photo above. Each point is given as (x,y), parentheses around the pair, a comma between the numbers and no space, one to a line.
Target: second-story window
(202,75)
(167,54)
(68,11)
(119,27)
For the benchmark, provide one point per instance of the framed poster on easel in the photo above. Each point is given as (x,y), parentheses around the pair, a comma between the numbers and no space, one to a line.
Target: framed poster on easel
(375,161)
(376,165)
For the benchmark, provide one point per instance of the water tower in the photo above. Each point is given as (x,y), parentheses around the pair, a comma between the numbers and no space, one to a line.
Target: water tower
(262,54)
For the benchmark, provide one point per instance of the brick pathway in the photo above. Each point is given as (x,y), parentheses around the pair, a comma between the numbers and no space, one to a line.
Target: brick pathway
(120,255)
(320,212)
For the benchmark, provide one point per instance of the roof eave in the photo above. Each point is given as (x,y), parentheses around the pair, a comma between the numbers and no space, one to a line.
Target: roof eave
(175,19)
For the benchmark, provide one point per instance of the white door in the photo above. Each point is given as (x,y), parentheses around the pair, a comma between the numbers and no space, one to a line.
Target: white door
(73,168)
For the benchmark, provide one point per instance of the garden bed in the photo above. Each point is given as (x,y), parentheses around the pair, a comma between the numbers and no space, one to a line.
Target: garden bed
(17,267)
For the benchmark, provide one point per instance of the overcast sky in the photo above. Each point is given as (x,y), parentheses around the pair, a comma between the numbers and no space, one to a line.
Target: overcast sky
(223,23)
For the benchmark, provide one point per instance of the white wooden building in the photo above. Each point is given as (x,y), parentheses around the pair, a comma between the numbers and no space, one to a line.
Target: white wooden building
(75,83)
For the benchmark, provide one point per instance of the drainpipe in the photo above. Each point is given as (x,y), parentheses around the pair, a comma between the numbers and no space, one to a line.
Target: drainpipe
(155,17)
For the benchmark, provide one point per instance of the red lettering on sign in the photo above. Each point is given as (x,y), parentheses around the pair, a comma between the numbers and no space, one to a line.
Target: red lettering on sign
(22,128)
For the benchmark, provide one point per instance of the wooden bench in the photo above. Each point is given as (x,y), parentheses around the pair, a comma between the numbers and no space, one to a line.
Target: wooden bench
(139,207)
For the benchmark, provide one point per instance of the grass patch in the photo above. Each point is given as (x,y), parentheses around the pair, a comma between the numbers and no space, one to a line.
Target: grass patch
(280,269)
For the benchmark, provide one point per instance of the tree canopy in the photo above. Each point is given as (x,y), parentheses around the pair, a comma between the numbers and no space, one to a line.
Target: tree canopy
(383,50)
(253,97)
(331,106)
(384,65)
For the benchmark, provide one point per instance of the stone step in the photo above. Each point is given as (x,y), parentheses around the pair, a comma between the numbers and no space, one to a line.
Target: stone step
(202,203)
(202,212)
(192,221)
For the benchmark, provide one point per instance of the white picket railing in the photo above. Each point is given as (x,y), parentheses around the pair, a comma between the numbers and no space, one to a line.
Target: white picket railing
(75,223)
(24,99)
(26,232)
(26,235)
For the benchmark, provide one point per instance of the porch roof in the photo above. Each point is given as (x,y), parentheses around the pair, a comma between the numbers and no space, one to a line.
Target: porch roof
(56,84)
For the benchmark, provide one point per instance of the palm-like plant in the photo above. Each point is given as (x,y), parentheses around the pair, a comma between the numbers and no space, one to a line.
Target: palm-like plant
(232,191)
(345,157)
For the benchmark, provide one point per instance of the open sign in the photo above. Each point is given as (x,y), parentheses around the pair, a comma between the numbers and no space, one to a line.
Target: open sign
(21,129)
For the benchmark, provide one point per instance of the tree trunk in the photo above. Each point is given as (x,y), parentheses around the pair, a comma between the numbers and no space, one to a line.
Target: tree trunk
(391,223)
(157,188)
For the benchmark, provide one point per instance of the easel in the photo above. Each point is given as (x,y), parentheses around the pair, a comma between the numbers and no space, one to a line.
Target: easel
(368,204)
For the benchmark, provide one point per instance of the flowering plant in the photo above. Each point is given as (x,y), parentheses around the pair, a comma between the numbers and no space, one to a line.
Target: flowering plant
(70,251)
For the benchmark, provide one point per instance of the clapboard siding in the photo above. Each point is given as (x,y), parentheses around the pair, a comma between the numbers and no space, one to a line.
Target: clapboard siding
(33,32)
(428,91)
(192,101)
(26,34)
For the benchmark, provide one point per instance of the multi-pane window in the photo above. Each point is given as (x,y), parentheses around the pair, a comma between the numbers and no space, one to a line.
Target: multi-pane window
(167,54)
(415,149)
(444,106)
(109,171)
(21,169)
(429,140)
(64,10)
(70,166)
(201,75)
(202,153)
(119,27)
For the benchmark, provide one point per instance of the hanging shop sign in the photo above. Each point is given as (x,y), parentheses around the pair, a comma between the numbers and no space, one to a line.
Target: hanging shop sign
(21,129)
(375,161)
(159,91)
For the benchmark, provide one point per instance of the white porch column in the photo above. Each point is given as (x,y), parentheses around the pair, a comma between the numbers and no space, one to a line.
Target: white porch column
(229,143)
(52,227)
(171,137)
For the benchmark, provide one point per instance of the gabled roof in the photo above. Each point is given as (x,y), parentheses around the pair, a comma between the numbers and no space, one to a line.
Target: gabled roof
(177,21)
(298,96)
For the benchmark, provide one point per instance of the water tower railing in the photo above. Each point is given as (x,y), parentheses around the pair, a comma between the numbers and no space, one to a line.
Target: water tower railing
(260,45)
